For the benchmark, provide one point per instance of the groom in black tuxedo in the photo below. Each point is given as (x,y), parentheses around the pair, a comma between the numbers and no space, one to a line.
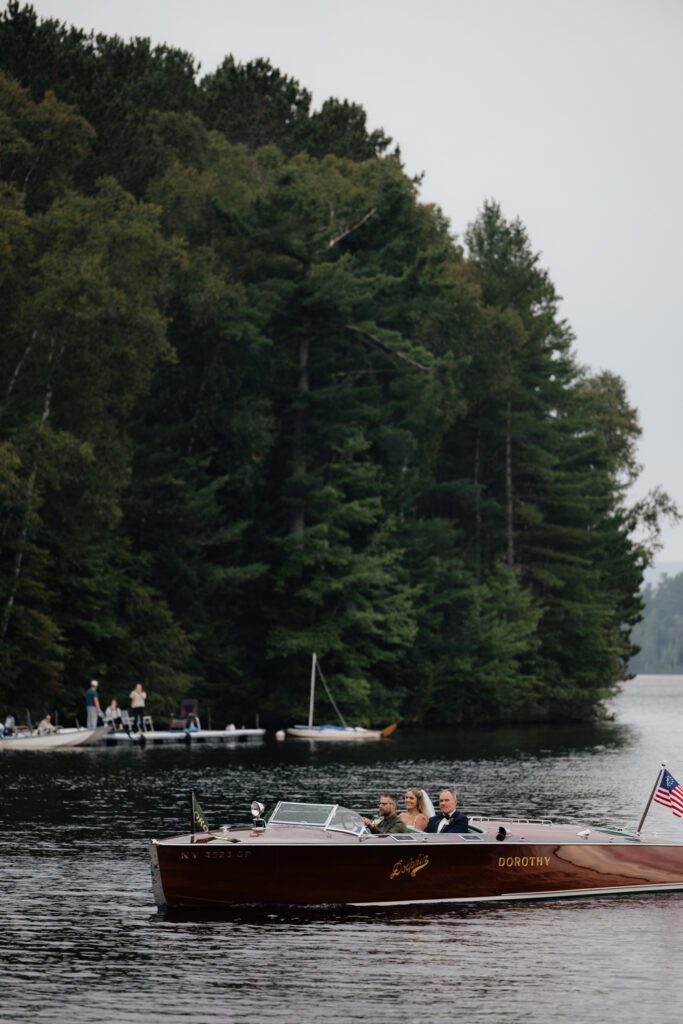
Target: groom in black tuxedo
(448,819)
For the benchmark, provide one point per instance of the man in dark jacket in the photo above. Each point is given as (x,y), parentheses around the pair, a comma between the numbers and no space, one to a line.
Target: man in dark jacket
(387,820)
(448,819)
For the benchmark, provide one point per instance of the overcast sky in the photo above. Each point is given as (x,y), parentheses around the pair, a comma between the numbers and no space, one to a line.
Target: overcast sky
(567,112)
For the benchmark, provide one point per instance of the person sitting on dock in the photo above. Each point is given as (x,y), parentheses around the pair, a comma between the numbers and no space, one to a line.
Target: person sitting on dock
(46,725)
(447,819)
(387,820)
(189,709)
(112,715)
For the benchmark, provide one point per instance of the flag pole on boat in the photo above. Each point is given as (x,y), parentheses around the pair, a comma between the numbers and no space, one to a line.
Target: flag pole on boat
(654,790)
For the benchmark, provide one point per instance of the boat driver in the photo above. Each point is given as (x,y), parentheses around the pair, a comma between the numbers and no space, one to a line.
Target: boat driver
(387,820)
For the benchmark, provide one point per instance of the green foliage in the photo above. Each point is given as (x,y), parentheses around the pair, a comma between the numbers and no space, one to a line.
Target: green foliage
(254,103)
(256,402)
(42,145)
(83,331)
(119,87)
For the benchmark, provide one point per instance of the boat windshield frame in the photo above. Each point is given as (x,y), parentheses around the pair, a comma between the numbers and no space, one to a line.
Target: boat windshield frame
(330,817)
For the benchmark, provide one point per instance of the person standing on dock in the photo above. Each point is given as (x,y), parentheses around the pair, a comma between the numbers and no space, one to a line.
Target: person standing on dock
(137,706)
(92,705)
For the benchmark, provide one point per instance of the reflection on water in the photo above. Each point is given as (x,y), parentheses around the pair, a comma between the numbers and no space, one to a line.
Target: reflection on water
(82,941)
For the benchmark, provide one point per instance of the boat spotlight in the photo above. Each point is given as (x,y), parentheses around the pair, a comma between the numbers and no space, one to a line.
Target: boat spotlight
(257,810)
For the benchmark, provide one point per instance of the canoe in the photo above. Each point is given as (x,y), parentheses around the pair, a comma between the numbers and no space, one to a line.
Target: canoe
(313,854)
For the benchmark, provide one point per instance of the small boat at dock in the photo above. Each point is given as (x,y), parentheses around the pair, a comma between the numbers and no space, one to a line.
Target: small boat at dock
(334,733)
(25,739)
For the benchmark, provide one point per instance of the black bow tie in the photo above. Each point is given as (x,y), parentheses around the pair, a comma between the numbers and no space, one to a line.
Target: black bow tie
(446,816)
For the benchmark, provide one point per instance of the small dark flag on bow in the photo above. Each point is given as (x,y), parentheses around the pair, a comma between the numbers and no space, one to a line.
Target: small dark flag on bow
(198,817)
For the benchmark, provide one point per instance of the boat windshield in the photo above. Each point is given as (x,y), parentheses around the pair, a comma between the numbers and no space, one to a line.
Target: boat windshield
(328,816)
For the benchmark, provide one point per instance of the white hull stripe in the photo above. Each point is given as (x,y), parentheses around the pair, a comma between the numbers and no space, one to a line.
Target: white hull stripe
(549,894)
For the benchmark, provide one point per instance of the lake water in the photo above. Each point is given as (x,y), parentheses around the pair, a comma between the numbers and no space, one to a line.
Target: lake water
(81,940)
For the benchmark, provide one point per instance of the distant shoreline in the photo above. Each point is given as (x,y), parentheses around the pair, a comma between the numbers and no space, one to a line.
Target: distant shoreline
(654,574)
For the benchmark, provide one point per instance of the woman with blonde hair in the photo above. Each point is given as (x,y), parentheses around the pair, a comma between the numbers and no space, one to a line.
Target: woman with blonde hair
(416,814)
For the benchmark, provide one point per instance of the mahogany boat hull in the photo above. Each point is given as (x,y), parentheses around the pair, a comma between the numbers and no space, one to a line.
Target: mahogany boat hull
(249,867)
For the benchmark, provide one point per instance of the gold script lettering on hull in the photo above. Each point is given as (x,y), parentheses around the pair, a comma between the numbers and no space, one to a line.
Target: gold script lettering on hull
(410,867)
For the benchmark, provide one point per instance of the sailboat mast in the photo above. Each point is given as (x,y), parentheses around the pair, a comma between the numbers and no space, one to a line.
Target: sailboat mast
(310,706)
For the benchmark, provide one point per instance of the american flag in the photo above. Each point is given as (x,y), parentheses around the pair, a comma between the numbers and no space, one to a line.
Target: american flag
(670,794)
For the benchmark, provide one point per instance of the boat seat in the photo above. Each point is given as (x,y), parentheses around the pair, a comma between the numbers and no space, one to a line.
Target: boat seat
(147,724)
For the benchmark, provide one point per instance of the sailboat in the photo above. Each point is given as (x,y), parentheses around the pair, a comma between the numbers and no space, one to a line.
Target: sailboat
(333,732)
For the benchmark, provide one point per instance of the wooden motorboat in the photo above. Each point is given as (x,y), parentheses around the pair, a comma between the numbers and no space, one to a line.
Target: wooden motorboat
(312,854)
(28,740)
(334,733)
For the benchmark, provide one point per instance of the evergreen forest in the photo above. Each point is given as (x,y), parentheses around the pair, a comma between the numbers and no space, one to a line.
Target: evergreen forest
(258,400)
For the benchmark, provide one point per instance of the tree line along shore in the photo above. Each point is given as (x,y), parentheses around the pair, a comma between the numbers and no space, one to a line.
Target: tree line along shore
(658,635)
(258,400)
